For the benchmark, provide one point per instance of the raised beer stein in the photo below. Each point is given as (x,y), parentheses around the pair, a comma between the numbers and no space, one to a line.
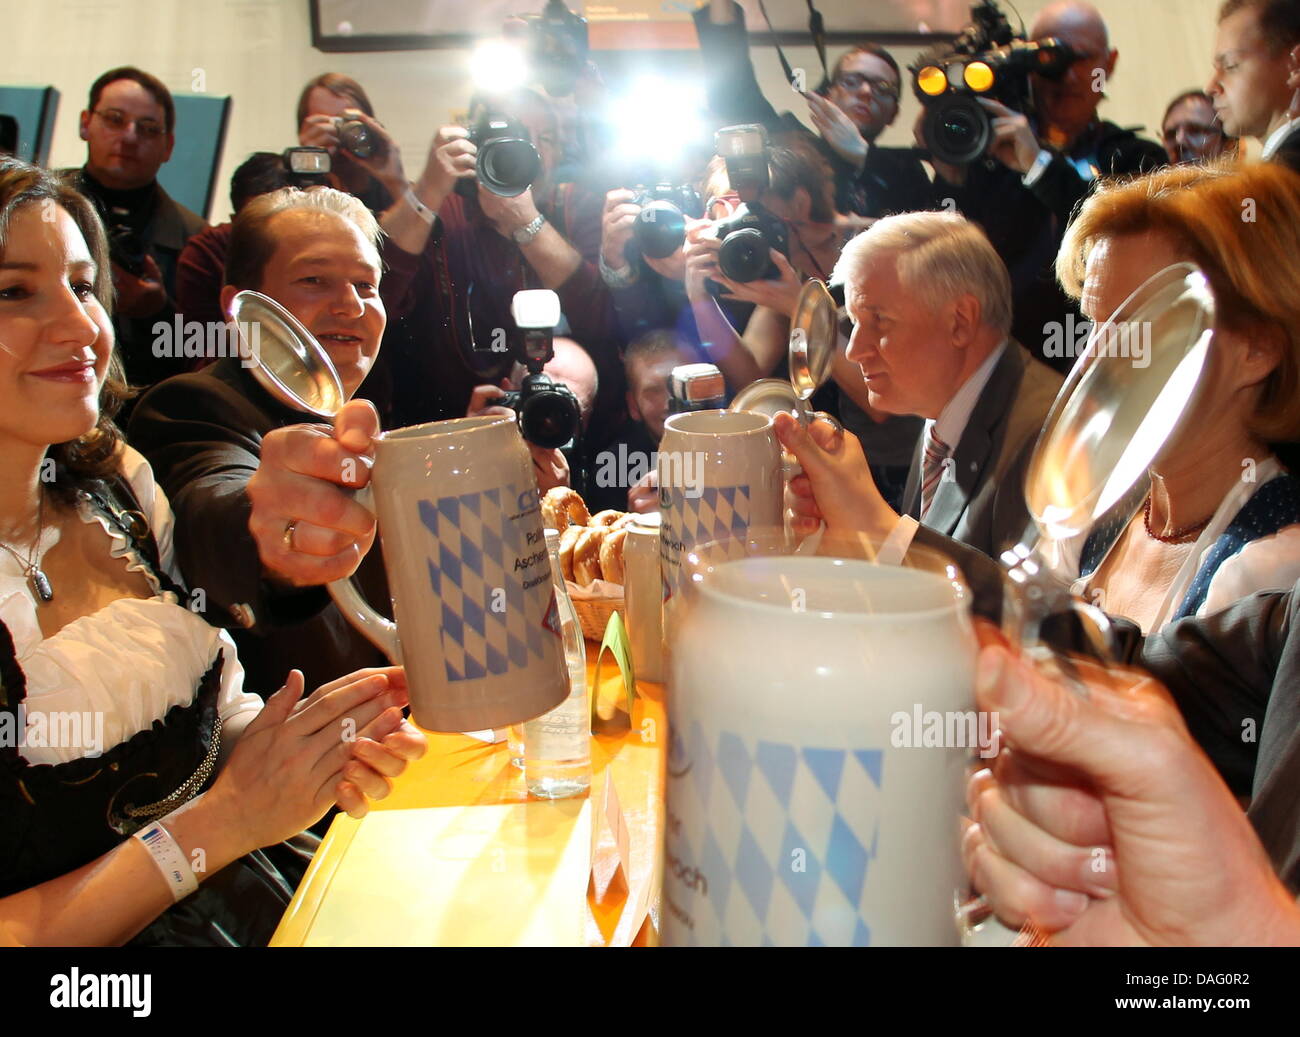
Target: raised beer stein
(822,715)
(477,626)
(719,476)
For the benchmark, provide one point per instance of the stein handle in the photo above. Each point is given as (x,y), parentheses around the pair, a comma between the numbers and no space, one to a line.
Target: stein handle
(381,632)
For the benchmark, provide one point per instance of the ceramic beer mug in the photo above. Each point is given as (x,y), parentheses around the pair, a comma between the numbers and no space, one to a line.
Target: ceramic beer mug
(822,715)
(477,625)
(719,476)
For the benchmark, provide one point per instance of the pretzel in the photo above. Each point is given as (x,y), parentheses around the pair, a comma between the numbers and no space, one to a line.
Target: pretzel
(562,508)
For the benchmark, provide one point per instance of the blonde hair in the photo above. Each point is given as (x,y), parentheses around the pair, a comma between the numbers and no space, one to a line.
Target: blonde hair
(252,244)
(941,257)
(1241,226)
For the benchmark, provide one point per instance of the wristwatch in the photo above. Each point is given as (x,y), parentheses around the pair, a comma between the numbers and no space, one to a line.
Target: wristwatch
(525,234)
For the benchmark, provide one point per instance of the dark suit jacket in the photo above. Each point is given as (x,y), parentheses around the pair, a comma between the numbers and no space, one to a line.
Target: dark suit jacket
(892,179)
(980,501)
(202,433)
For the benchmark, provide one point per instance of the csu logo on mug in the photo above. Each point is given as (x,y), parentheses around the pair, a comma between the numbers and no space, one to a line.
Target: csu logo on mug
(526,500)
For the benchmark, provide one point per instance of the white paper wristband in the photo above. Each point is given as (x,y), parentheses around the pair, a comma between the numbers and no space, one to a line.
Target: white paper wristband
(170,859)
(421,210)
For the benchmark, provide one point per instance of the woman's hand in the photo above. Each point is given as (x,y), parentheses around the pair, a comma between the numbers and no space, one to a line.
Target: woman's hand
(780,295)
(282,774)
(380,753)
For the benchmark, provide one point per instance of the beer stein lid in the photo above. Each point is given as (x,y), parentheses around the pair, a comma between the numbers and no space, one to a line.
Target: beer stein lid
(285,357)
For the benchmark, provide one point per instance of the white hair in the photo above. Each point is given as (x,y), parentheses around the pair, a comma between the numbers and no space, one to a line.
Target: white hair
(941,256)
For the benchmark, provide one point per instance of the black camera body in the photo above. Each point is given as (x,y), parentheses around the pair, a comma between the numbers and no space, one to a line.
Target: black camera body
(126,248)
(506,163)
(548,411)
(358,139)
(661,226)
(747,237)
(987,60)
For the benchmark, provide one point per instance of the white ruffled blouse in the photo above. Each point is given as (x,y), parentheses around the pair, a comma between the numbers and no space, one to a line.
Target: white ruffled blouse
(111,674)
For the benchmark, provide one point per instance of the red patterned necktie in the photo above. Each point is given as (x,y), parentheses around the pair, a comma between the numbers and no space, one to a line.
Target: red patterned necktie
(932,467)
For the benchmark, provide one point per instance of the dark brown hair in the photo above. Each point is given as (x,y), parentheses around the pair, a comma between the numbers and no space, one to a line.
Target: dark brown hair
(1279,20)
(95,455)
(339,85)
(153,84)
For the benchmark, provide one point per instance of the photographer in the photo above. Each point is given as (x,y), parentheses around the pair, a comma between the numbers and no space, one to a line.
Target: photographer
(1043,162)
(855,104)
(569,366)
(201,270)
(482,249)
(129,129)
(1192,131)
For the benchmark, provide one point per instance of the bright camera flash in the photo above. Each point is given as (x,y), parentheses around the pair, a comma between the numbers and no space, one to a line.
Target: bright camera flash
(498,66)
(979,77)
(932,81)
(536,308)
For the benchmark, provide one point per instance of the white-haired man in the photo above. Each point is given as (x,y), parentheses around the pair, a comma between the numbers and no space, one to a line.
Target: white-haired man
(930,303)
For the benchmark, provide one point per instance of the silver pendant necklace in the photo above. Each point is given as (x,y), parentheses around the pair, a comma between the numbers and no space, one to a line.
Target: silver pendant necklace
(36,578)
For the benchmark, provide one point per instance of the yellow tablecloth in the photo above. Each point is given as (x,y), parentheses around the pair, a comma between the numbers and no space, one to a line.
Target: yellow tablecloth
(459,854)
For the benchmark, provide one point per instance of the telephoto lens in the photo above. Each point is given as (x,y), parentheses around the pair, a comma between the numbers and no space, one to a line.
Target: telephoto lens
(747,241)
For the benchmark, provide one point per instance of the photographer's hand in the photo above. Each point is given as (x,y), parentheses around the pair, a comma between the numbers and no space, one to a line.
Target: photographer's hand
(1014,143)
(550,467)
(617,224)
(839,132)
(385,165)
(318,131)
(701,253)
(451,158)
(781,296)
(141,296)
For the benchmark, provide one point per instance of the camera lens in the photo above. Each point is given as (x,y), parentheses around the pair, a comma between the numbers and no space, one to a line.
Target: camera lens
(660,230)
(549,418)
(356,138)
(743,255)
(508,166)
(958,132)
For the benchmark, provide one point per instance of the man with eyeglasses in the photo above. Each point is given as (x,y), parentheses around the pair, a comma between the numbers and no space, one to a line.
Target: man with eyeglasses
(1192,132)
(858,101)
(1254,85)
(1041,164)
(129,128)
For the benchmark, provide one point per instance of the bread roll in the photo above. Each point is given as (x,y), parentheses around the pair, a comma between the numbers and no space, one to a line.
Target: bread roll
(611,556)
(586,555)
(562,507)
(568,540)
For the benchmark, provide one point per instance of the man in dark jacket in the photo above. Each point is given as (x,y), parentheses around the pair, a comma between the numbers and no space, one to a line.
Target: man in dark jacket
(129,129)
(1041,164)
(857,103)
(258,530)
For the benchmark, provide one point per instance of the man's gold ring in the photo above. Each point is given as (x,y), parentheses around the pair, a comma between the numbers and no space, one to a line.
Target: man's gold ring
(288,534)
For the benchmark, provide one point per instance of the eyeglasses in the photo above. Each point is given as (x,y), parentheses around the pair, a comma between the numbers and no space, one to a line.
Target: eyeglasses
(118,122)
(854,80)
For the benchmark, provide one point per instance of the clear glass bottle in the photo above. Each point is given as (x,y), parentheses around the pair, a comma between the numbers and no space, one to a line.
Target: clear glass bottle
(515,743)
(557,745)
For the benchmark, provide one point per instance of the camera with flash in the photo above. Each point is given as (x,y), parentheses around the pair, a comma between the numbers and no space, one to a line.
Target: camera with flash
(548,412)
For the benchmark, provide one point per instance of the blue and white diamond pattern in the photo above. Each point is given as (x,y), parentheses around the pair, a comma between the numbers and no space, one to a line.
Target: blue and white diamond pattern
(716,513)
(490,623)
(719,512)
(787,837)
